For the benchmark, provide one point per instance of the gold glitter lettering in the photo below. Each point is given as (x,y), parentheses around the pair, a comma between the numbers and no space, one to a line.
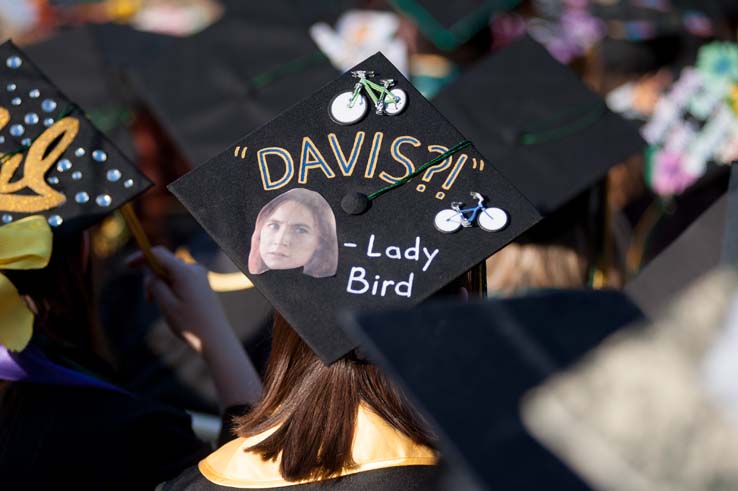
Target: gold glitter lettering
(35,168)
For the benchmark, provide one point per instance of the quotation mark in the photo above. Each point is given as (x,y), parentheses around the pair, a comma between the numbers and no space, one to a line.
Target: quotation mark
(243,152)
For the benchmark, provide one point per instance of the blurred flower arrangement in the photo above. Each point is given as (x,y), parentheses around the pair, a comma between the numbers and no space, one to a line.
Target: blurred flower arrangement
(690,124)
(668,175)
(719,61)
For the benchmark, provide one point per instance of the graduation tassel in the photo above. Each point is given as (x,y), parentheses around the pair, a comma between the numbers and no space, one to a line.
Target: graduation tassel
(134,225)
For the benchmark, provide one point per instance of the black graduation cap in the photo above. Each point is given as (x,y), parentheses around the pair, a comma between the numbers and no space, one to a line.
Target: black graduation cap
(123,46)
(730,241)
(448,25)
(643,36)
(467,366)
(285,203)
(55,162)
(301,13)
(545,131)
(646,20)
(210,89)
(73,59)
(708,242)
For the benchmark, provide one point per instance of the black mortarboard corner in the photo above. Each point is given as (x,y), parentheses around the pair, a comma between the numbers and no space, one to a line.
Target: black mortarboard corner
(210,89)
(467,367)
(710,241)
(548,134)
(55,163)
(354,241)
(448,25)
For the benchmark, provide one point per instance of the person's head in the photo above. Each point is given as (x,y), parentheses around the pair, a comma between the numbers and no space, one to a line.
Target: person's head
(520,267)
(315,407)
(295,229)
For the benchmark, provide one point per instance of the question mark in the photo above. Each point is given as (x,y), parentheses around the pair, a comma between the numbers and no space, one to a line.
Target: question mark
(443,166)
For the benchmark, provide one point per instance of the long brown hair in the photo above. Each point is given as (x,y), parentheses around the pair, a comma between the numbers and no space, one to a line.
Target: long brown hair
(315,408)
(62,295)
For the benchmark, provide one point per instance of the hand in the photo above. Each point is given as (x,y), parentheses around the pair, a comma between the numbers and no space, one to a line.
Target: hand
(192,311)
(185,298)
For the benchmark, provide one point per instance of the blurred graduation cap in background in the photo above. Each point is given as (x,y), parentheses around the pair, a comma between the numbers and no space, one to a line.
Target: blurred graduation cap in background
(546,132)
(301,13)
(74,60)
(449,25)
(710,241)
(124,47)
(88,63)
(312,207)
(652,407)
(468,366)
(646,20)
(212,88)
(730,241)
(643,36)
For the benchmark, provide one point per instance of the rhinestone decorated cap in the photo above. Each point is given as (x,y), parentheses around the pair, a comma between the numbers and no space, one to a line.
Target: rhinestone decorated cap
(312,205)
(54,162)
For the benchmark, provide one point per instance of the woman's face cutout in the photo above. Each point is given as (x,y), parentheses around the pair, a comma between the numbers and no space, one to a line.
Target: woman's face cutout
(289,237)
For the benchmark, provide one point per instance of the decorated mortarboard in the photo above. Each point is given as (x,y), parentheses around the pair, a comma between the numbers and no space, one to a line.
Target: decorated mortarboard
(478,360)
(212,88)
(54,162)
(549,135)
(57,173)
(316,209)
(693,124)
(448,25)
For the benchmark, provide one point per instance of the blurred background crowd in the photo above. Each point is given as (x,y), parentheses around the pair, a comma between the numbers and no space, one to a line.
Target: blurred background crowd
(173,82)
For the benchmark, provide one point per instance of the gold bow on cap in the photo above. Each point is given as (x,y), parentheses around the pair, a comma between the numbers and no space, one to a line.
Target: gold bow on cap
(25,244)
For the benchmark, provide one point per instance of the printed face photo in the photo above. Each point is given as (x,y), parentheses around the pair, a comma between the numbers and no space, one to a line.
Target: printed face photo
(297,229)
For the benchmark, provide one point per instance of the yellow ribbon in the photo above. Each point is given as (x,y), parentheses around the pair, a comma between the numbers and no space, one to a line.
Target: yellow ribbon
(25,244)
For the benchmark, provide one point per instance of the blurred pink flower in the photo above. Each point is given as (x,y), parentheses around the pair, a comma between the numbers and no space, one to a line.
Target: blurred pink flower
(668,176)
(582,28)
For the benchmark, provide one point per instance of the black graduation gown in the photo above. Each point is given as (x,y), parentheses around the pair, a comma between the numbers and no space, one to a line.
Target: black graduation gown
(406,478)
(61,437)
